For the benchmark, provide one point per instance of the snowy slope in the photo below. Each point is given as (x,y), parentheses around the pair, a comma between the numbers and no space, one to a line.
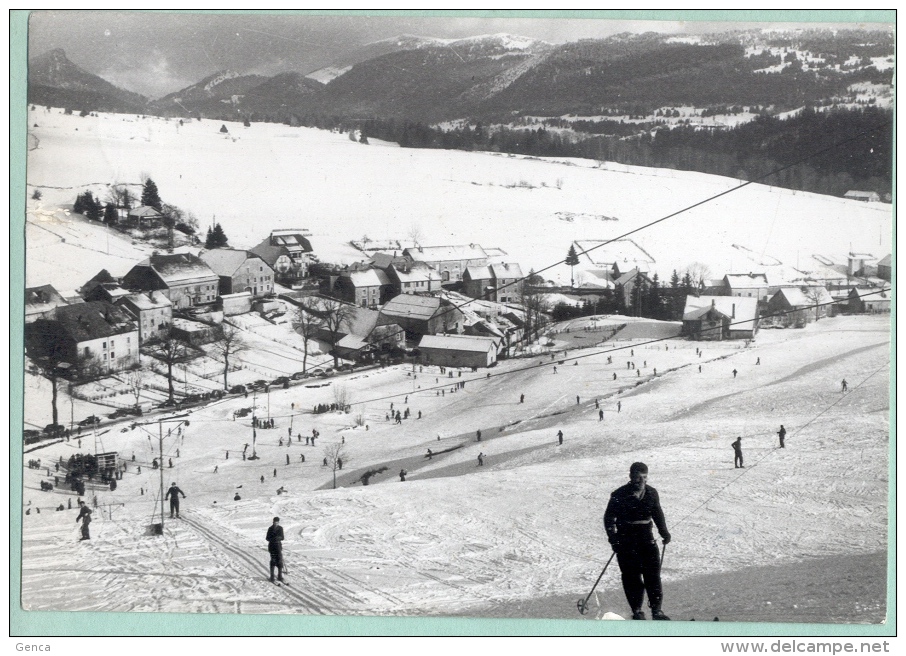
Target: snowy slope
(459,539)
(273,176)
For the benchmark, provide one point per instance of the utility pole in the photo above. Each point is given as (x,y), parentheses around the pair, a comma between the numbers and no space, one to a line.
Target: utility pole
(160,445)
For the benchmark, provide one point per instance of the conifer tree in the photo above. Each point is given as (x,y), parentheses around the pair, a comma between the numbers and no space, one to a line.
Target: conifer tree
(110,215)
(216,237)
(150,196)
(571,260)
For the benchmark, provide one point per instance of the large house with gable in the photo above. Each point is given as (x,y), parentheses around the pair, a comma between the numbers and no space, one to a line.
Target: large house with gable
(41,302)
(450,262)
(720,317)
(495,282)
(183,278)
(288,253)
(422,315)
(747,285)
(153,313)
(240,271)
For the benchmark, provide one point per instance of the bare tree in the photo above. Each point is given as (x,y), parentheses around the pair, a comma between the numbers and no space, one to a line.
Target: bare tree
(415,234)
(136,382)
(229,343)
(306,322)
(815,295)
(535,305)
(335,454)
(170,351)
(698,273)
(335,315)
(341,397)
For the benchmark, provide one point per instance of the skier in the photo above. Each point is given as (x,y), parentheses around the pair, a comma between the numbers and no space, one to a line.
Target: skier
(173,495)
(430,454)
(522,398)
(734,373)
(597,405)
(287,458)
(560,436)
(614,375)
(403,473)
(170,462)
(630,513)
(302,456)
(737,453)
(619,406)
(85,516)
(781,434)
(843,386)
(577,399)
(478,435)
(481,460)
(758,361)
(600,415)
(275,548)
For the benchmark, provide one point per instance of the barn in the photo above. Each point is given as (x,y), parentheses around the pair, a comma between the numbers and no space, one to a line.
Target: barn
(458,350)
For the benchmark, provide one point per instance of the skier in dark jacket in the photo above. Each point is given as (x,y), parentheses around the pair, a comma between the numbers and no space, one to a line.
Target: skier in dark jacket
(782,434)
(627,520)
(85,516)
(173,495)
(737,453)
(275,548)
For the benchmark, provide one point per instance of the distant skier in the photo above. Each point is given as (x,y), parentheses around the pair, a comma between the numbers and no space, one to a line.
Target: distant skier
(619,406)
(781,434)
(628,519)
(403,473)
(600,415)
(577,399)
(481,460)
(275,548)
(85,516)
(758,361)
(844,386)
(737,453)
(478,435)
(173,495)
(734,373)
(522,398)
(560,436)
(287,458)
(430,454)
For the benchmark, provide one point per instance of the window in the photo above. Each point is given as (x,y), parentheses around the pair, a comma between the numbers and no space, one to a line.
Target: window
(87,352)
(112,355)
(104,345)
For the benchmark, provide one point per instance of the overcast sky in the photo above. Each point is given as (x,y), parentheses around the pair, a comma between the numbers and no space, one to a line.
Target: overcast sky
(158,53)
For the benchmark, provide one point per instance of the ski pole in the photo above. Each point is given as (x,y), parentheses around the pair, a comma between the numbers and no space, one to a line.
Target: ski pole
(582,604)
(663,551)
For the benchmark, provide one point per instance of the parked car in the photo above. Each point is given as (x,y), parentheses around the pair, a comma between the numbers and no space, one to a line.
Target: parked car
(90,421)
(299,375)
(54,430)
(282,380)
(237,389)
(166,404)
(31,433)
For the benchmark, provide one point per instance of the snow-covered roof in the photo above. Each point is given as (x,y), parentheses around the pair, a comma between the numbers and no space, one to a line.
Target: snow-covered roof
(42,299)
(384,260)
(742,310)
(369,278)
(180,268)
(802,297)
(226,261)
(93,320)
(628,276)
(445,253)
(477,273)
(145,212)
(458,343)
(884,261)
(416,274)
(506,270)
(746,280)
(149,301)
(410,306)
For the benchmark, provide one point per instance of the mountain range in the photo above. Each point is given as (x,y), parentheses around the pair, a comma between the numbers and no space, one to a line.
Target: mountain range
(499,77)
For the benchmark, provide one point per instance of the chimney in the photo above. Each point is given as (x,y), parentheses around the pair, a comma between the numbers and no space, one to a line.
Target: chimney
(713,303)
(733,314)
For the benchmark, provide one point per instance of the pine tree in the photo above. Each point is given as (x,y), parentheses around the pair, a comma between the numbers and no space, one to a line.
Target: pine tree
(216,237)
(571,260)
(223,128)
(79,206)
(150,197)
(93,208)
(110,214)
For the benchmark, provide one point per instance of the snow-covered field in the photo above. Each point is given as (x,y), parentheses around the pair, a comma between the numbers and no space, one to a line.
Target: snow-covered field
(522,535)
(526,527)
(272,176)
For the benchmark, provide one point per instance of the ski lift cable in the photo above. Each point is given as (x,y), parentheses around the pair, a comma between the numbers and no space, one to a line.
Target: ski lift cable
(775,449)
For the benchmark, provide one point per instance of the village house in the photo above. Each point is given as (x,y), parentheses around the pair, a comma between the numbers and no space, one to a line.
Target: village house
(626,283)
(864,196)
(365,288)
(869,300)
(458,350)
(421,315)
(449,261)
(800,304)
(153,313)
(415,278)
(618,256)
(240,271)
(720,317)
(747,285)
(495,282)
(183,278)
(40,302)
(144,216)
(860,264)
(97,333)
(884,268)
(288,253)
